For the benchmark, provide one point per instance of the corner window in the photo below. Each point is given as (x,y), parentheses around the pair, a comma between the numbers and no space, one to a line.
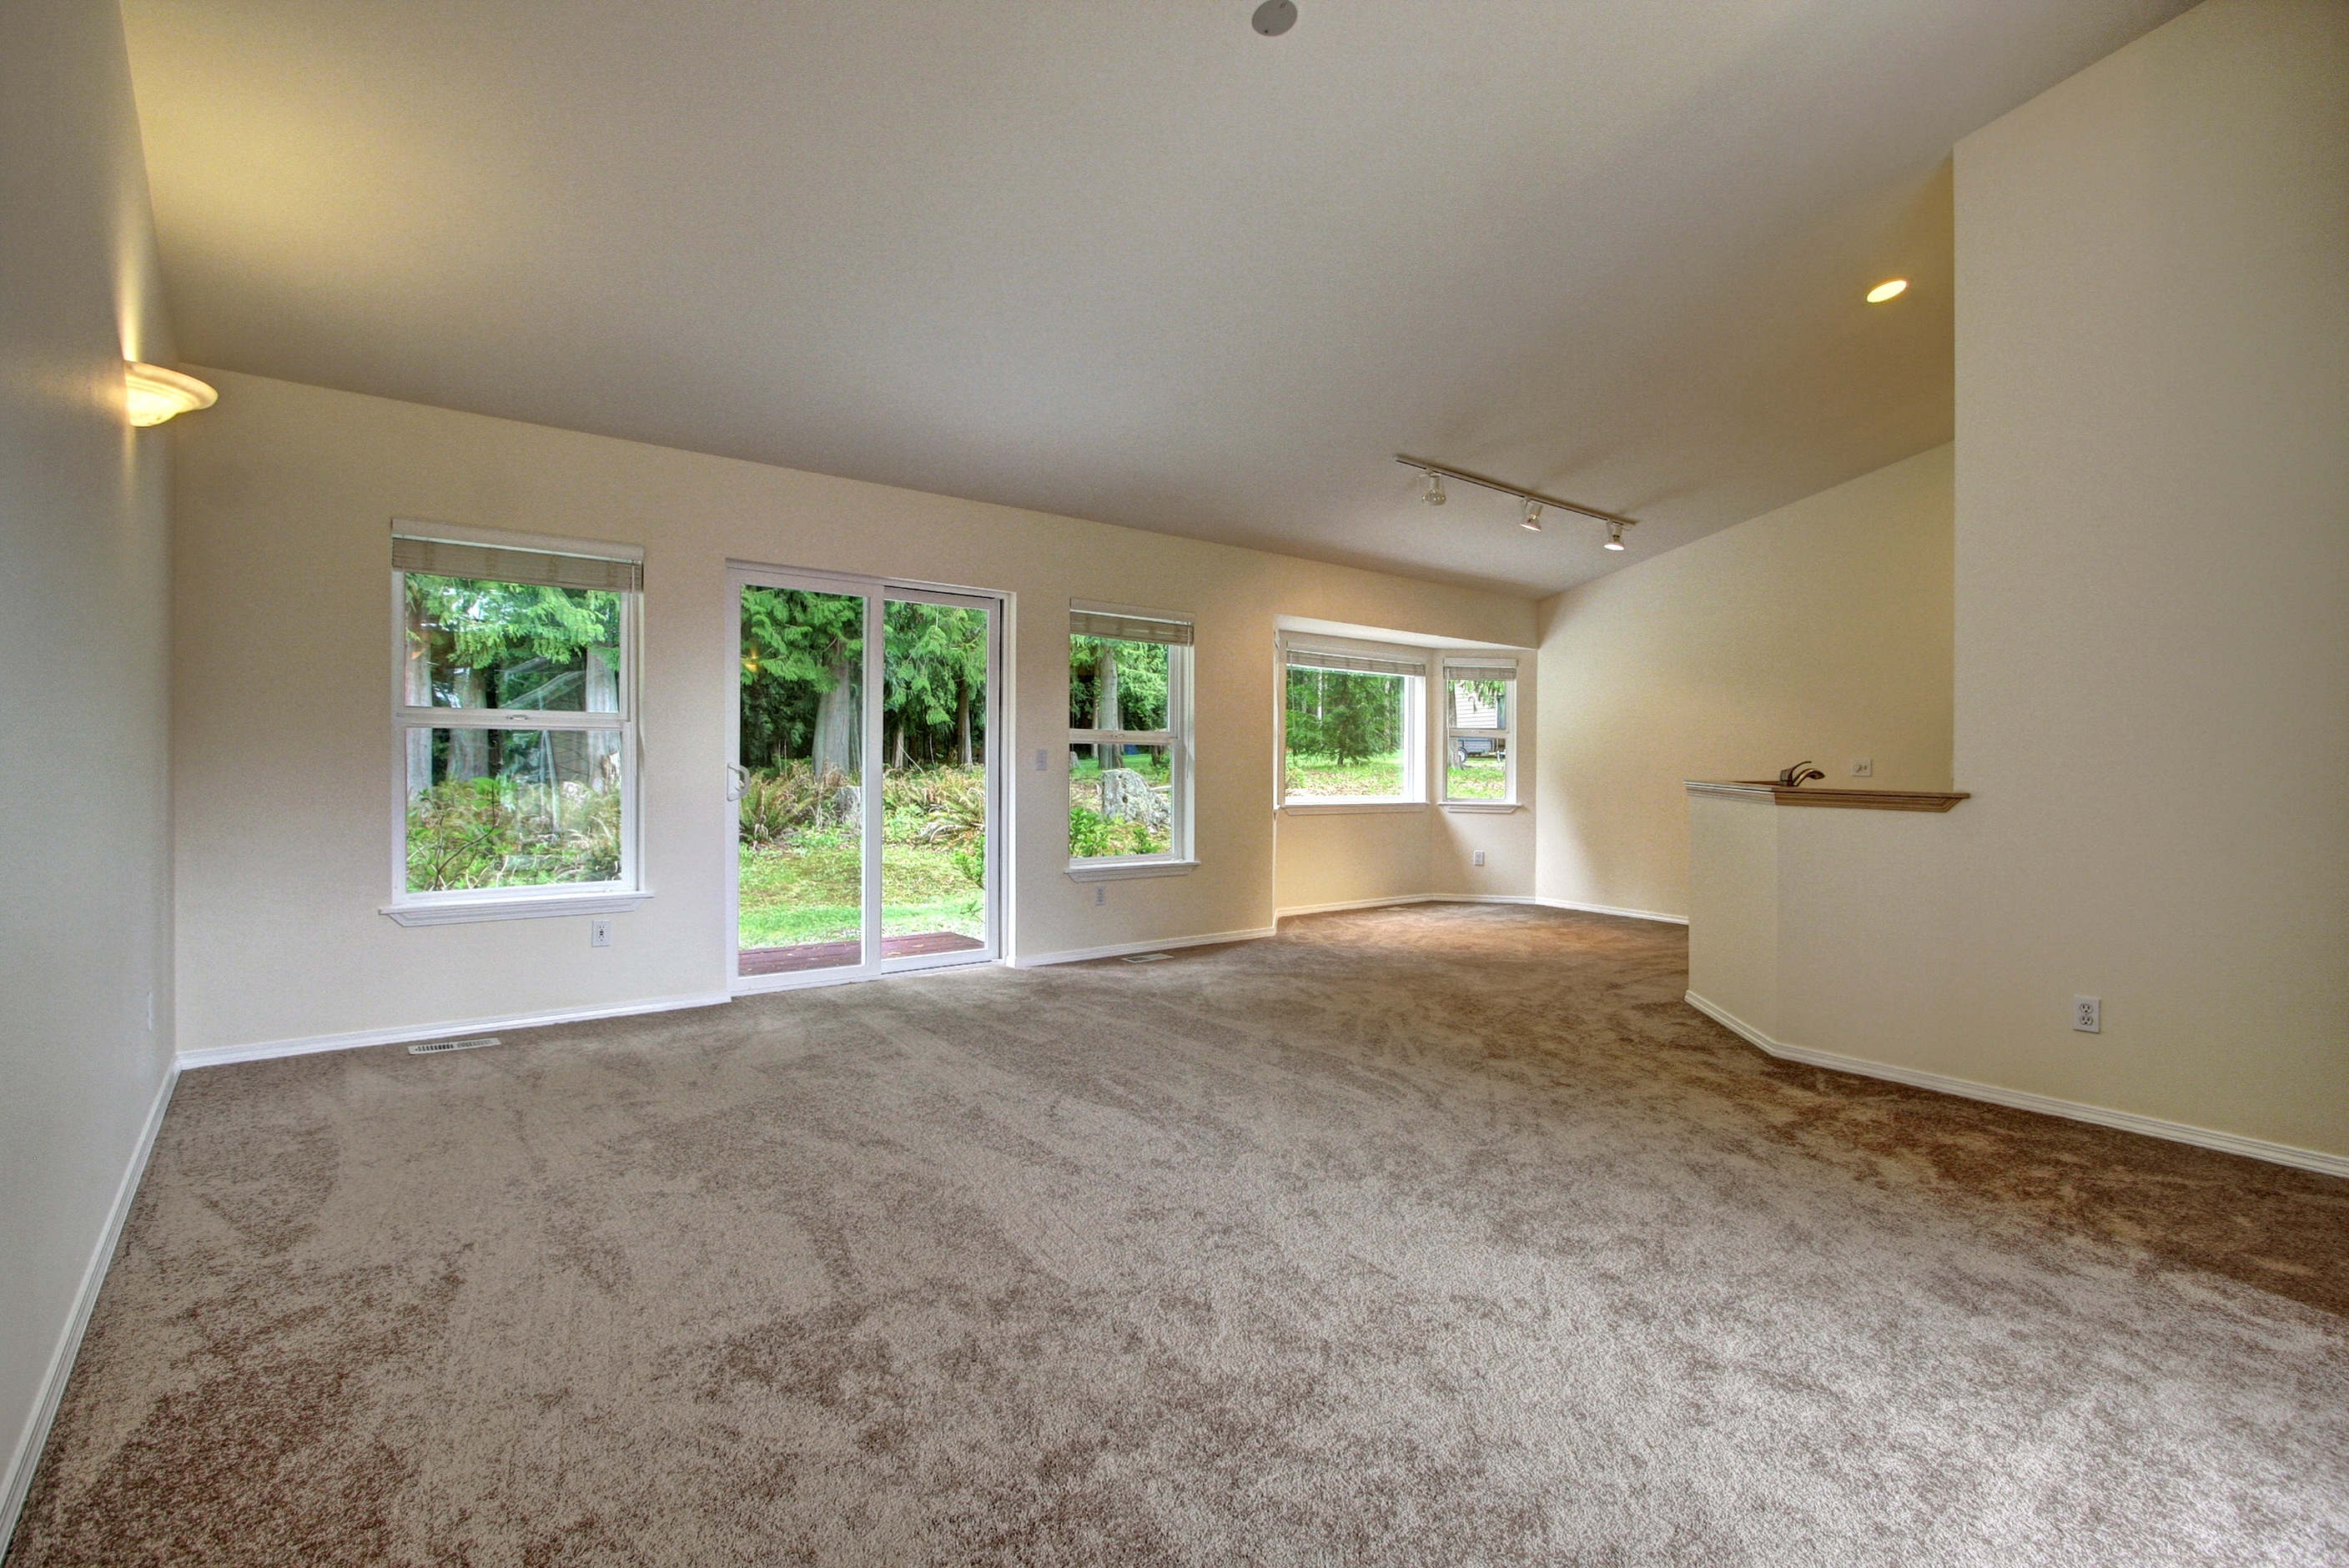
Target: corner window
(513,724)
(1129,740)
(1479,708)
(1350,728)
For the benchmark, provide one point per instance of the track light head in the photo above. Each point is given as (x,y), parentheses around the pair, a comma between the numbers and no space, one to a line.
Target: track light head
(1531,521)
(1436,496)
(1614,536)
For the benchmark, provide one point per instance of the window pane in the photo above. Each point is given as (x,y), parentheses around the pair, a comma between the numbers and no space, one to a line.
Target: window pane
(934,779)
(1346,734)
(512,808)
(1479,705)
(1120,800)
(1116,684)
(478,644)
(801,836)
(1477,768)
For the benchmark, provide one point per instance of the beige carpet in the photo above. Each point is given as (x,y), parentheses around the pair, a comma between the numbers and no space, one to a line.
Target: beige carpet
(1436,1235)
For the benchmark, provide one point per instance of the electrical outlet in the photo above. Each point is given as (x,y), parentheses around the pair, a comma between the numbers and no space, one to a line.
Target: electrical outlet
(1480,857)
(2089,1015)
(600,935)
(1863,766)
(1101,894)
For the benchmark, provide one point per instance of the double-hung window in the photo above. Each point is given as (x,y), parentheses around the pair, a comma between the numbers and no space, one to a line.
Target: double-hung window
(1479,708)
(513,726)
(1129,742)
(1351,726)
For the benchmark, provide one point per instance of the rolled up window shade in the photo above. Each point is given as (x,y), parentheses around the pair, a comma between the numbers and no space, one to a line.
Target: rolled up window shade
(1128,628)
(1357,663)
(1458,669)
(441,558)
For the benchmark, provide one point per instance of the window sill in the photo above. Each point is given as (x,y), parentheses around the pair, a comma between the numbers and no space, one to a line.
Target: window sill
(1502,806)
(1126,870)
(1334,808)
(545,907)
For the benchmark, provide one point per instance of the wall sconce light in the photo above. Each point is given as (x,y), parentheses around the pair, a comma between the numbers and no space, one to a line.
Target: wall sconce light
(154,394)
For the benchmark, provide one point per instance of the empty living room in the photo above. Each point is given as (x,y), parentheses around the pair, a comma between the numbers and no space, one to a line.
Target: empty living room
(1244,782)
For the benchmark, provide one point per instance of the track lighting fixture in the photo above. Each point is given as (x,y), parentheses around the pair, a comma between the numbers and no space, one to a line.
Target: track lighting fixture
(1534,501)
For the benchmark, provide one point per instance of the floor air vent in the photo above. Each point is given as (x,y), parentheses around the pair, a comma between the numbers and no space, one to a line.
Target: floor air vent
(1148,958)
(434,1048)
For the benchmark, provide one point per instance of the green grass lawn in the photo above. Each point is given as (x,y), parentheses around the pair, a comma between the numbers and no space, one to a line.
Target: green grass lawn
(1320,776)
(1478,778)
(809,889)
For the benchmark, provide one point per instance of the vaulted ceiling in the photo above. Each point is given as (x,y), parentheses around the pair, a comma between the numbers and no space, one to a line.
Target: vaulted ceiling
(1126,261)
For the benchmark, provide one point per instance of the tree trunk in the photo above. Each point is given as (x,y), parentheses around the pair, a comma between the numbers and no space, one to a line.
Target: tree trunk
(835,724)
(469,749)
(962,721)
(900,763)
(1105,712)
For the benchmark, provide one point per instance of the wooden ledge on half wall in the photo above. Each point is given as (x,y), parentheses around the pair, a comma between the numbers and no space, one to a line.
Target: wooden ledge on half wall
(1849,799)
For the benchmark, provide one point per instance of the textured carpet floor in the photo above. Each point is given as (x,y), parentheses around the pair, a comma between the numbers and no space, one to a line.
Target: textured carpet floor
(1431,1235)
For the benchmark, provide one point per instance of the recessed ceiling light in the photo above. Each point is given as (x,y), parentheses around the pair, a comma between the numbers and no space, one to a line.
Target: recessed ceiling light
(1891,288)
(1274,17)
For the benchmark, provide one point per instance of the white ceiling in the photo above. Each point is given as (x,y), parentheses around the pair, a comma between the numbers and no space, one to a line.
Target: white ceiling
(1129,261)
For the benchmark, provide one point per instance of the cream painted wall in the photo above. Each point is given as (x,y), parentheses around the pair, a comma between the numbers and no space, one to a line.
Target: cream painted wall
(1819,630)
(84,798)
(284,501)
(2152,616)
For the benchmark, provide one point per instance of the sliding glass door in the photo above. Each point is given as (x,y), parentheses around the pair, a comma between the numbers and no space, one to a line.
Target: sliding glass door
(864,779)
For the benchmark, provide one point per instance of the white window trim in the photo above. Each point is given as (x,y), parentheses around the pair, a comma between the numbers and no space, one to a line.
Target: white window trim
(1178,859)
(537,901)
(1445,731)
(1415,795)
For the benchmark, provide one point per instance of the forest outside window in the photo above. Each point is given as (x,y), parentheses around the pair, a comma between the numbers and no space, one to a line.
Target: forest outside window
(1479,708)
(514,728)
(1129,741)
(1350,728)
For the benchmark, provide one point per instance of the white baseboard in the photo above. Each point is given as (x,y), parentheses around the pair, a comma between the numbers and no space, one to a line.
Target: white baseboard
(1392,899)
(220,1056)
(1611,909)
(2023,1100)
(35,1436)
(1119,949)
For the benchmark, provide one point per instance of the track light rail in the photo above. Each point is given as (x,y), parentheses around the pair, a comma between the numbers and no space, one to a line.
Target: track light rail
(1481,482)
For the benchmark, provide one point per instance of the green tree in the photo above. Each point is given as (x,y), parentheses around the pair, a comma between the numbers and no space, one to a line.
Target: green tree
(798,646)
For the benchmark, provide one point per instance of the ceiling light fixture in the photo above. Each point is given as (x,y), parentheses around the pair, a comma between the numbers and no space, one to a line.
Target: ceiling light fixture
(1891,288)
(152,394)
(1274,17)
(1534,501)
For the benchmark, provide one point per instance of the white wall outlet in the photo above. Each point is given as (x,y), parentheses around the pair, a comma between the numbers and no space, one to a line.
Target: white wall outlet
(600,935)
(2089,1015)
(1042,756)
(1863,766)
(1480,857)
(1101,894)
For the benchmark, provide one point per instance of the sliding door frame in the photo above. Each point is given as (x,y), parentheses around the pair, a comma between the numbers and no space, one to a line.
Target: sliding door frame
(878,593)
